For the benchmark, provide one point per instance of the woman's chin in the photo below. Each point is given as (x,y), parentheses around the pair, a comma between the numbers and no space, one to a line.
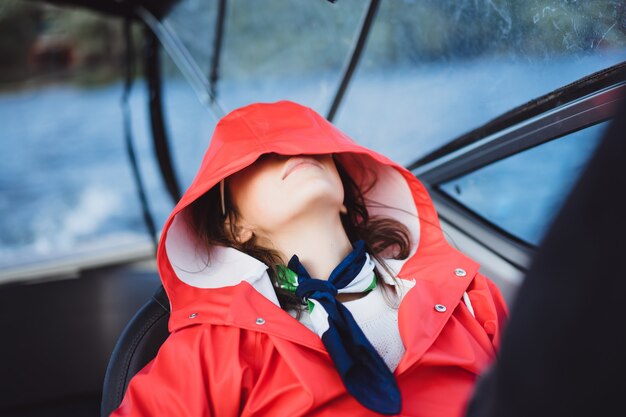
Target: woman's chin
(315,190)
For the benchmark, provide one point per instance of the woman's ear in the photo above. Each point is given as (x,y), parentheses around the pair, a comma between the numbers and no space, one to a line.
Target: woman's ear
(244,235)
(343,209)
(241,233)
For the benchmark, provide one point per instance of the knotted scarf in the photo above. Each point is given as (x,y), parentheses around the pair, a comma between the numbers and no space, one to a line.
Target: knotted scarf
(362,370)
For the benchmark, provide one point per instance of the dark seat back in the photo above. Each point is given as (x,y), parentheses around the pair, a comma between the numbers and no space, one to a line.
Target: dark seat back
(137,345)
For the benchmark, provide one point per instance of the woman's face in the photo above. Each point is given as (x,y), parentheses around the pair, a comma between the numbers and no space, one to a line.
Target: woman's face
(277,190)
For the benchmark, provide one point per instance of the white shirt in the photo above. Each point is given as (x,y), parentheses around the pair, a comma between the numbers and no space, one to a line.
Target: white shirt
(377,315)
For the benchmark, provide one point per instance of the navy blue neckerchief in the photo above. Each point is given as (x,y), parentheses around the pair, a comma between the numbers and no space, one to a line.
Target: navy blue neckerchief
(364,373)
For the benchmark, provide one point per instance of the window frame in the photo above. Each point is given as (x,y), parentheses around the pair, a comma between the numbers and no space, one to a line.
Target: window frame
(564,119)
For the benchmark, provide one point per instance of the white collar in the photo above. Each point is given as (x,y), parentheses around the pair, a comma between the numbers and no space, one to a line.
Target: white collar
(226,266)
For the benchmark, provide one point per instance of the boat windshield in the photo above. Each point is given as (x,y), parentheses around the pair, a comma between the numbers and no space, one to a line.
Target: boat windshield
(430,70)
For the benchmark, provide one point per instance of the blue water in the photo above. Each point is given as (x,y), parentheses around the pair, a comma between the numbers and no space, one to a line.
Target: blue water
(65,181)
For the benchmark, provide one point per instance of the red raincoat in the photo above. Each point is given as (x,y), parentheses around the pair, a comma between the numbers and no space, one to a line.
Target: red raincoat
(234,352)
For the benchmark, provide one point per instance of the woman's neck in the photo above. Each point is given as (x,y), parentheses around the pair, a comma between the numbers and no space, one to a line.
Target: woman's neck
(320,242)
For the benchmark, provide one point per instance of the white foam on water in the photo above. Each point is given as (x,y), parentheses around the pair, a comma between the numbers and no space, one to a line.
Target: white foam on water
(95,206)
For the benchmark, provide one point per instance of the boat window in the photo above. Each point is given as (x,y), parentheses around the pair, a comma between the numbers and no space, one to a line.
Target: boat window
(66,188)
(522,194)
(284,49)
(435,69)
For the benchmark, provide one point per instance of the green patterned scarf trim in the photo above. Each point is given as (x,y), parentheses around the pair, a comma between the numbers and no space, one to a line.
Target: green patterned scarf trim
(288,280)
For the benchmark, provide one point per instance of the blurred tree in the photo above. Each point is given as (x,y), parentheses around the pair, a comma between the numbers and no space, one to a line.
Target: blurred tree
(56,43)
(19,24)
(315,36)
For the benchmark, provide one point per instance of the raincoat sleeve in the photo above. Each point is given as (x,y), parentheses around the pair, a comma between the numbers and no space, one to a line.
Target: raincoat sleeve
(199,371)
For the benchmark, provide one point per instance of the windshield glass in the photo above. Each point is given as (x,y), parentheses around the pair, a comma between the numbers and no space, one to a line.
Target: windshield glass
(279,49)
(66,187)
(431,70)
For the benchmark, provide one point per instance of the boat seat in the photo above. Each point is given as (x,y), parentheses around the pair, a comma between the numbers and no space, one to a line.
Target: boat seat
(137,345)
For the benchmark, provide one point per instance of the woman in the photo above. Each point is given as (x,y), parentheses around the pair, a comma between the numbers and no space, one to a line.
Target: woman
(308,275)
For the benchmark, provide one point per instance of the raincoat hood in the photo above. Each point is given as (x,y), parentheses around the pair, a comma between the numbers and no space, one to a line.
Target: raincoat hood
(287,128)
(233,351)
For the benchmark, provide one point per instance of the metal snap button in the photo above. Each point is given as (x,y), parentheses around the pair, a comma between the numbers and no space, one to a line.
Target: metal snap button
(440,308)
(260,321)
(193,315)
(460,272)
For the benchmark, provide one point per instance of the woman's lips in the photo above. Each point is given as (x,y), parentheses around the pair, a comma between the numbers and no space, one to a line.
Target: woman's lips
(296,162)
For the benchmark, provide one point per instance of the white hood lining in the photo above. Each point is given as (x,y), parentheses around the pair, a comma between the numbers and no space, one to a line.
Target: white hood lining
(224,267)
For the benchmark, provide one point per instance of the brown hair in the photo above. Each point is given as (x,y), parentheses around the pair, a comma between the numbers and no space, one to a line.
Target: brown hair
(380,234)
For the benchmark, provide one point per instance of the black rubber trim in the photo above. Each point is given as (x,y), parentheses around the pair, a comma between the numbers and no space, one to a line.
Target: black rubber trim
(556,123)
(157,122)
(217,49)
(578,89)
(355,56)
(128,132)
